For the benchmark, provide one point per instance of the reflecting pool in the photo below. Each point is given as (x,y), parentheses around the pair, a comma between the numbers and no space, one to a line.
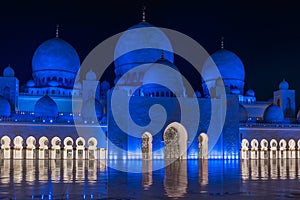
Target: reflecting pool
(92,179)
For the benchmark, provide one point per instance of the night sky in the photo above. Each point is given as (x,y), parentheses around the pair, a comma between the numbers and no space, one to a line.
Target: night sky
(266,35)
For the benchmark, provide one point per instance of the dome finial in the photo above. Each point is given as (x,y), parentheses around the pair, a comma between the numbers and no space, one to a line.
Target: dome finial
(57,30)
(144,13)
(222,42)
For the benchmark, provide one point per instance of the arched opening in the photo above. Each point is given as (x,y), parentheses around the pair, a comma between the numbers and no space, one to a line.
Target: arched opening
(273,148)
(56,148)
(18,146)
(43,148)
(92,148)
(5,147)
(175,141)
(80,149)
(203,146)
(68,148)
(245,149)
(30,147)
(254,149)
(147,146)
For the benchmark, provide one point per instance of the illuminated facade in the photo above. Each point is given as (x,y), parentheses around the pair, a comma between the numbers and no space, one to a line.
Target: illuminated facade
(42,113)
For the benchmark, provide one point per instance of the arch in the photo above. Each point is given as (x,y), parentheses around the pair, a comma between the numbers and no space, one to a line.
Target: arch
(273,148)
(18,142)
(56,148)
(5,142)
(43,142)
(264,149)
(282,148)
(30,147)
(80,148)
(292,144)
(43,148)
(147,146)
(68,148)
(203,146)
(175,141)
(254,144)
(254,149)
(18,146)
(30,142)
(92,148)
(245,144)
(5,147)
(292,148)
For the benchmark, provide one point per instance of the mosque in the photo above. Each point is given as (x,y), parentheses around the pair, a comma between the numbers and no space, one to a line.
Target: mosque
(38,120)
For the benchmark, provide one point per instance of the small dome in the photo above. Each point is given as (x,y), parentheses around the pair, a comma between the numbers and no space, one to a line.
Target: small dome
(4,107)
(45,107)
(273,114)
(283,85)
(250,93)
(30,83)
(8,72)
(90,76)
(243,113)
(90,109)
(160,72)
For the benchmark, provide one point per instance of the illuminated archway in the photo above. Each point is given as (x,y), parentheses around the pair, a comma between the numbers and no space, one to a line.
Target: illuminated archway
(175,141)
(147,146)
(203,146)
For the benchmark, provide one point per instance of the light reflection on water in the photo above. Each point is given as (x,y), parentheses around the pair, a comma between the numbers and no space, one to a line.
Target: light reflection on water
(88,179)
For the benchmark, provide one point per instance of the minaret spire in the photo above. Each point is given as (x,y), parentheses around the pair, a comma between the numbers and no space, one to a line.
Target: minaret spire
(222,42)
(57,30)
(144,14)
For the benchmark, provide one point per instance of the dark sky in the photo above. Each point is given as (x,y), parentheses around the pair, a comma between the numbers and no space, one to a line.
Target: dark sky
(265,35)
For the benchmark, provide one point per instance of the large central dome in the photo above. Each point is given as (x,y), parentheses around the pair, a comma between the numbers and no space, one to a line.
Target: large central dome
(55,55)
(140,44)
(55,60)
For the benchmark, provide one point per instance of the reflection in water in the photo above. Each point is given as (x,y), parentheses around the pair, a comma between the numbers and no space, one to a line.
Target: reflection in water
(203,172)
(274,169)
(147,174)
(92,179)
(175,181)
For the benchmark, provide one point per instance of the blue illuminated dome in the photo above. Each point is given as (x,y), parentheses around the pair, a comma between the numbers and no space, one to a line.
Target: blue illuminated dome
(4,107)
(55,59)
(231,69)
(138,46)
(250,93)
(8,72)
(45,107)
(283,85)
(273,114)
